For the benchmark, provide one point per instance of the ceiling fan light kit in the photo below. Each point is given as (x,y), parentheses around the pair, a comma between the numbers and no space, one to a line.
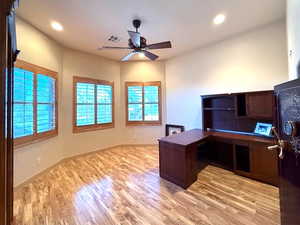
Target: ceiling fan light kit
(138,44)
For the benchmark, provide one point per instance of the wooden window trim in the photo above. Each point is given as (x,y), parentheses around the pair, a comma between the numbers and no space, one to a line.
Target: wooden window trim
(27,140)
(143,122)
(93,127)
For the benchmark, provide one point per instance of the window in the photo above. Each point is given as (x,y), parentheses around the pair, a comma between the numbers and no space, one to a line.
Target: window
(93,104)
(143,103)
(34,103)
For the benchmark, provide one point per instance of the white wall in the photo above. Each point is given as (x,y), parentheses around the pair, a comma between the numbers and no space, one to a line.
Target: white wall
(36,48)
(293,33)
(85,65)
(252,61)
(142,71)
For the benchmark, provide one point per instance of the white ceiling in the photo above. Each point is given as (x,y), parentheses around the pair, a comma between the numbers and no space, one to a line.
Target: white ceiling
(187,23)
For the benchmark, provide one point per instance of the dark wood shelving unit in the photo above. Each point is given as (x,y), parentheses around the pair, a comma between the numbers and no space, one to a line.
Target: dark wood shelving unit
(239,113)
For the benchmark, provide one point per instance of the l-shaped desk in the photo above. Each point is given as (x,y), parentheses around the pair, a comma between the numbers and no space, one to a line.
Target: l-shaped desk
(246,155)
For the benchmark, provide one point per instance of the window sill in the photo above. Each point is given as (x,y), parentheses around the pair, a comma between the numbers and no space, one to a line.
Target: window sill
(143,123)
(33,140)
(92,128)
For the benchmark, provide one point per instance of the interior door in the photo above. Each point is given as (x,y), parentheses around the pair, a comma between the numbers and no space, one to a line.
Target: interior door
(288,102)
(8,54)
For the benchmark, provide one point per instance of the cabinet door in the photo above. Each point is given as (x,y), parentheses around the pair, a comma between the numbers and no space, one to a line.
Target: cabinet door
(260,105)
(264,163)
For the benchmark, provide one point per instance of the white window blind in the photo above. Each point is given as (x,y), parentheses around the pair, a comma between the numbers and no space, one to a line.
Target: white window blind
(135,103)
(104,104)
(34,103)
(94,103)
(45,103)
(151,103)
(23,103)
(85,104)
(143,101)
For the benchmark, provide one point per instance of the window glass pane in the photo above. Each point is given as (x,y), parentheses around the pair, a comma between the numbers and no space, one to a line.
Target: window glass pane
(151,112)
(135,94)
(151,94)
(85,93)
(23,85)
(23,120)
(104,114)
(85,115)
(135,112)
(104,94)
(45,89)
(45,118)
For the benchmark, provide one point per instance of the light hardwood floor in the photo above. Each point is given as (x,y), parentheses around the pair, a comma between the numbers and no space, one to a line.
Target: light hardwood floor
(122,186)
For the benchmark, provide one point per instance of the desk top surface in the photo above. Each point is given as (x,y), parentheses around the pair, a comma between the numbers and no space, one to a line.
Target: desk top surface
(196,135)
(187,137)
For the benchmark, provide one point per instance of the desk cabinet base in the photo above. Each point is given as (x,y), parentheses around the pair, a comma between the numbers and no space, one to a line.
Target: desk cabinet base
(178,163)
(243,154)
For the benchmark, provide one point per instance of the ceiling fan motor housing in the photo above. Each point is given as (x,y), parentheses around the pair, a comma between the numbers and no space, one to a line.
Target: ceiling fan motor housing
(143,43)
(136,23)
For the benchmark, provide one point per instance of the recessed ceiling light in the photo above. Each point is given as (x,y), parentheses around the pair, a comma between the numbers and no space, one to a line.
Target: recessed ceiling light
(219,19)
(56,26)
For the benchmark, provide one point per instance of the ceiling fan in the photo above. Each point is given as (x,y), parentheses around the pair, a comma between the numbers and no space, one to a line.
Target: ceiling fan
(139,44)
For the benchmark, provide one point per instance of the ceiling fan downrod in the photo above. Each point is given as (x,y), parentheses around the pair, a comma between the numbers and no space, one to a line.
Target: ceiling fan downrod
(137,23)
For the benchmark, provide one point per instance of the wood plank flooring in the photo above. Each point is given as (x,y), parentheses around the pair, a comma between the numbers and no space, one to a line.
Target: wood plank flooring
(122,186)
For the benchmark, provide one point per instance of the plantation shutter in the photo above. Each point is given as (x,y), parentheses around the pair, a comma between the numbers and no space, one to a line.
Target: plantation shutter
(135,103)
(45,103)
(23,103)
(104,104)
(143,99)
(151,103)
(85,104)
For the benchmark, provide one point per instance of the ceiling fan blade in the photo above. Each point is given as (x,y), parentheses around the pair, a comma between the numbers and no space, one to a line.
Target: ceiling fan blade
(135,38)
(127,57)
(150,55)
(166,44)
(110,47)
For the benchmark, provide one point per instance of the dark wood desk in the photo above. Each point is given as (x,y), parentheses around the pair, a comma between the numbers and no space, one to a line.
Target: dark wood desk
(178,155)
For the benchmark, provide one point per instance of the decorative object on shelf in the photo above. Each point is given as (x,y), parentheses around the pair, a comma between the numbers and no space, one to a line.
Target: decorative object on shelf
(263,129)
(173,129)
